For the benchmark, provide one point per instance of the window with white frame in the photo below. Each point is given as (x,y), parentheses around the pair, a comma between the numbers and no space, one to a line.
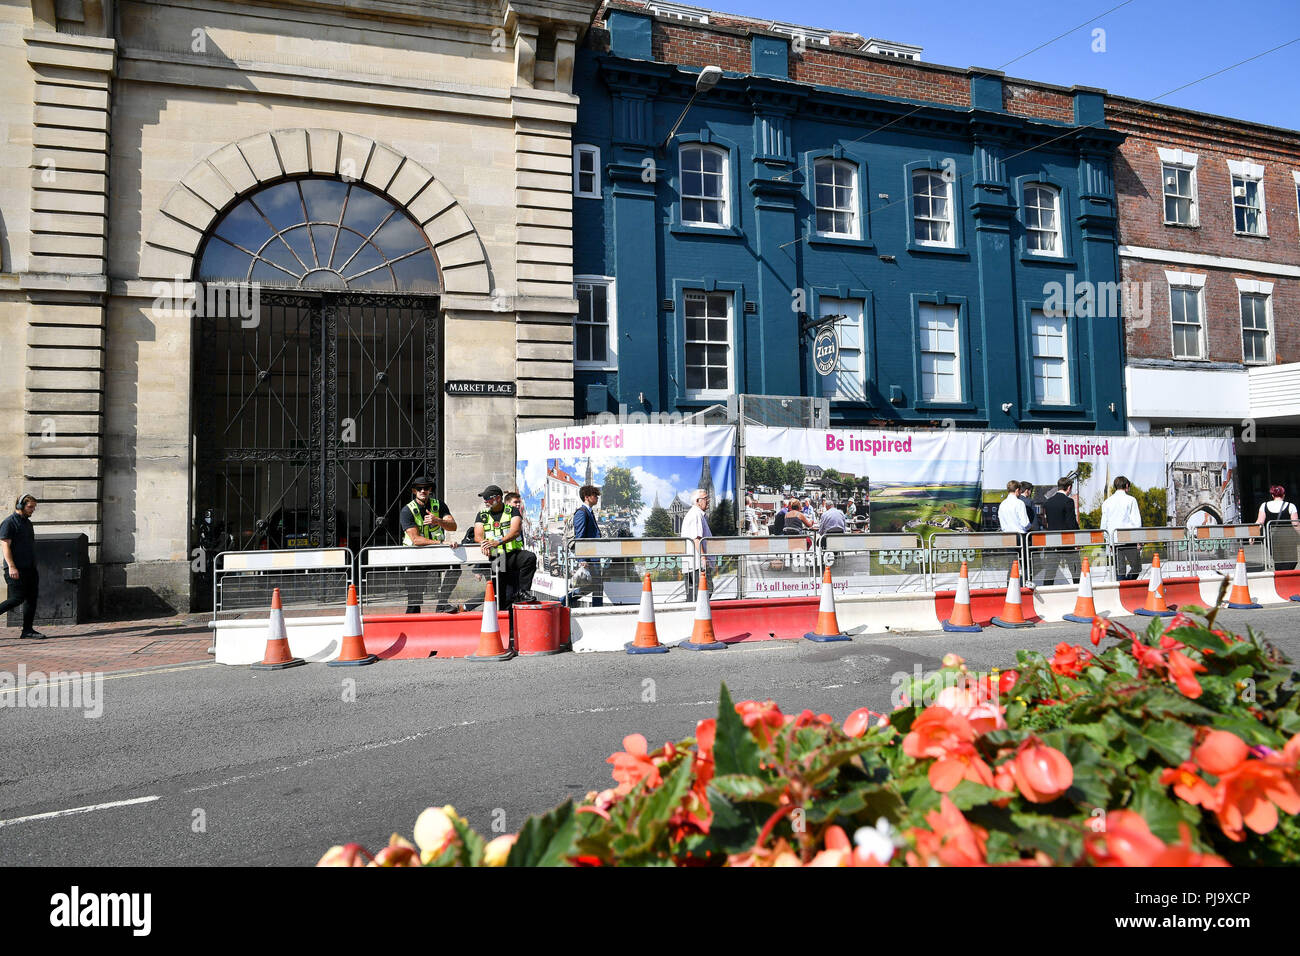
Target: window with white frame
(1051,363)
(1188,323)
(940,360)
(689,14)
(595,337)
(704,186)
(1248,215)
(1178,186)
(848,383)
(586,172)
(932,208)
(835,195)
(1043,220)
(708,344)
(1256,321)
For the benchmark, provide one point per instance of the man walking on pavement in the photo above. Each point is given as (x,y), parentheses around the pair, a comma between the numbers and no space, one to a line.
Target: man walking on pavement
(424,520)
(498,530)
(1061,513)
(585,526)
(18,547)
(1118,512)
(696,527)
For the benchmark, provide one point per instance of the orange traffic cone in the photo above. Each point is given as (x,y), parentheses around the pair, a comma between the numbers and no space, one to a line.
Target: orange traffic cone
(828,626)
(1084,607)
(490,647)
(278,655)
(647,635)
(961,619)
(354,641)
(702,638)
(1012,613)
(1155,606)
(1240,597)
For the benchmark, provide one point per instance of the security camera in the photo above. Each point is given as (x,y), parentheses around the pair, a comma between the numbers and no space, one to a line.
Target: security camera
(1007,406)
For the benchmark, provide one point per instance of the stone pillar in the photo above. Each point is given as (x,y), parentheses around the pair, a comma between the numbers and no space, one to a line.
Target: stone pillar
(66,282)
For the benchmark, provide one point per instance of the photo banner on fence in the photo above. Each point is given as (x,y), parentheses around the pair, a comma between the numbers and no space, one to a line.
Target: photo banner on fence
(922,482)
(646,475)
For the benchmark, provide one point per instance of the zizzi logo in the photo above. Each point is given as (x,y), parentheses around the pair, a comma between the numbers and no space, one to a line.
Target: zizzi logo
(77,909)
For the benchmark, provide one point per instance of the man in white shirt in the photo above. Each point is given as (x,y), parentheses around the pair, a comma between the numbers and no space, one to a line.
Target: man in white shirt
(696,527)
(1118,512)
(1012,516)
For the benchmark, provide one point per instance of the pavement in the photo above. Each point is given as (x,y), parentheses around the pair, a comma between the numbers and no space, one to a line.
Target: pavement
(108,646)
(200,764)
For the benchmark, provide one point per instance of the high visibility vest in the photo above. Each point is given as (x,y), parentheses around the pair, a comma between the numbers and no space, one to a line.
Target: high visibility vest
(499,527)
(431,530)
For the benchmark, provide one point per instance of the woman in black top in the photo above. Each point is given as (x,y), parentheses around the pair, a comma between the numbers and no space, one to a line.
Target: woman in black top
(1283,539)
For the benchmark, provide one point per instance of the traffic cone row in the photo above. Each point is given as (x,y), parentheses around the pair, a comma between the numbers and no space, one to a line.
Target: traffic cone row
(1240,597)
(1013,614)
(1085,609)
(961,619)
(828,625)
(647,635)
(1155,606)
(354,641)
(702,638)
(490,647)
(278,656)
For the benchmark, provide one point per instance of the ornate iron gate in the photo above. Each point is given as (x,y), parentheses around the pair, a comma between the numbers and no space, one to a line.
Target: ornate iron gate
(313,420)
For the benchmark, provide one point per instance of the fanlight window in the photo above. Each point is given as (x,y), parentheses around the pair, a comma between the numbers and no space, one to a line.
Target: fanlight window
(320,234)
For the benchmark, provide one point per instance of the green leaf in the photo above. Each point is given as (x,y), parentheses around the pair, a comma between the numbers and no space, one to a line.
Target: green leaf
(741,787)
(1171,740)
(651,819)
(1162,813)
(547,840)
(734,749)
(470,851)
(969,794)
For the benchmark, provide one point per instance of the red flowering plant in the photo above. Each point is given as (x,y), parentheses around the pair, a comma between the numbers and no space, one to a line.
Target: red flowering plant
(1176,746)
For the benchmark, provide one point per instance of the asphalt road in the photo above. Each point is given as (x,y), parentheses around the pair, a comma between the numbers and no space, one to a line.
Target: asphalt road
(232,766)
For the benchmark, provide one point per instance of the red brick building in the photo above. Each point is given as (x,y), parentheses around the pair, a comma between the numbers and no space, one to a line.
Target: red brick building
(1209,218)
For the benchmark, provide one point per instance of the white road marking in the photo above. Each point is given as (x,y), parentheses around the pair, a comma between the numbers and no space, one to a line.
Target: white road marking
(74,810)
(114,676)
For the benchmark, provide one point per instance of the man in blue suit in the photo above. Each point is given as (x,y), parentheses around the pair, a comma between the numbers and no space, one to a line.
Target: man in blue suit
(585,526)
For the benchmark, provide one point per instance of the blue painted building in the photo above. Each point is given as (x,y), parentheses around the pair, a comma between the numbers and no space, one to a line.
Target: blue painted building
(943,234)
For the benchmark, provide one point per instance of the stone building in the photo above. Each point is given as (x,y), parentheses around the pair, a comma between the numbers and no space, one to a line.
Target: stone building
(385,185)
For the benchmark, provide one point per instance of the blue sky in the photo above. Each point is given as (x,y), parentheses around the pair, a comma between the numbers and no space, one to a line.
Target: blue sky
(1151,46)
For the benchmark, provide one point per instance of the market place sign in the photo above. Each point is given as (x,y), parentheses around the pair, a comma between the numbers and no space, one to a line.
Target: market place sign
(501,389)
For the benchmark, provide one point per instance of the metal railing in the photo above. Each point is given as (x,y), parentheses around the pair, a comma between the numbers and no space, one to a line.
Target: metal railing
(311,581)
(1282,541)
(762,566)
(617,567)
(431,579)
(875,563)
(1049,553)
(988,556)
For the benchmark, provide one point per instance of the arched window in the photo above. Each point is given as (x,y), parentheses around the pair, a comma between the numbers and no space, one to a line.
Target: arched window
(320,234)
(835,194)
(1042,220)
(704,186)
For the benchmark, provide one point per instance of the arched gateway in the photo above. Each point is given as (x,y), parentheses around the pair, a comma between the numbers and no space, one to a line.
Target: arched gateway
(318,366)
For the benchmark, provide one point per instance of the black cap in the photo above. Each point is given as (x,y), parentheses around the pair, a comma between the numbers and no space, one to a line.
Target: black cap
(489,491)
(421,480)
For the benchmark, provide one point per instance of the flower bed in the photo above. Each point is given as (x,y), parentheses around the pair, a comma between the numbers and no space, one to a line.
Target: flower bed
(1179,746)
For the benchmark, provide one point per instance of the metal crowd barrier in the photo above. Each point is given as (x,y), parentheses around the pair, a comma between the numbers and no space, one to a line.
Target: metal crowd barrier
(1132,551)
(1214,547)
(875,563)
(618,565)
(1049,553)
(1283,544)
(310,581)
(763,566)
(988,556)
(430,579)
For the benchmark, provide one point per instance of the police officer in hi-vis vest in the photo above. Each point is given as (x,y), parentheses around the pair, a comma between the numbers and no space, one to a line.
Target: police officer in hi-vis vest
(499,530)
(424,520)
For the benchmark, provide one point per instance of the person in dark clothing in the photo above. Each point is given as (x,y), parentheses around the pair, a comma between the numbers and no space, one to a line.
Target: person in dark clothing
(1034,512)
(586,526)
(424,520)
(1060,512)
(18,547)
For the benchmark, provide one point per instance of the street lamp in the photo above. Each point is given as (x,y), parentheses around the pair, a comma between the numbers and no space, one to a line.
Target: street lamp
(706,81)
